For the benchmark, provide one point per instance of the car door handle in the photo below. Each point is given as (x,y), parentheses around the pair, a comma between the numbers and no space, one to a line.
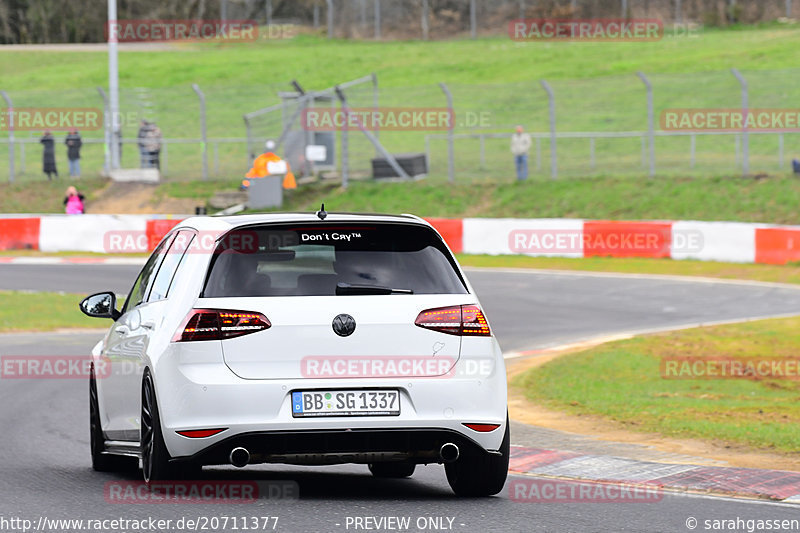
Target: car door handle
(149,324)
(122,330)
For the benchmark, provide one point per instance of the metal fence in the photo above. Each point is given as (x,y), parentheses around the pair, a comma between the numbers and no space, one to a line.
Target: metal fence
(589,127)
(603,126)
(177,112)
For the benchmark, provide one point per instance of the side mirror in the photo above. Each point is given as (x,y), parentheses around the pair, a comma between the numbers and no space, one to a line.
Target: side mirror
(101,305)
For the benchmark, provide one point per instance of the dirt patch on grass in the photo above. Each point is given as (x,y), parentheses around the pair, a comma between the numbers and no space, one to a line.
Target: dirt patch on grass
(524,410)
(137,198)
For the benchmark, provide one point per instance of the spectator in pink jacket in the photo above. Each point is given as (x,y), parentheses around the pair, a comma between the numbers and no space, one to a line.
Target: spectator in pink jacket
(73,202)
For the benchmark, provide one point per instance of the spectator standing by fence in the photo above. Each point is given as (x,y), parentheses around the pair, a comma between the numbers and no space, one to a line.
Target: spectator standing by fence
(520,145)
(141,136)
(74,143)
(153,145)
(48,155)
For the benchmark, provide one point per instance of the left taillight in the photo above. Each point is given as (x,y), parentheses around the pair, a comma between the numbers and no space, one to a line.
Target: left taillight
(219,324)
(461,320)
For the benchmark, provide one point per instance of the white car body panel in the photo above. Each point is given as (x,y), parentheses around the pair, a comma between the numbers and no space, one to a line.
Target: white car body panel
(244,384)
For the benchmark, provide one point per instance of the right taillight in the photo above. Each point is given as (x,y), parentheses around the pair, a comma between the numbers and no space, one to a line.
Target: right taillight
(219,324)
(464,320)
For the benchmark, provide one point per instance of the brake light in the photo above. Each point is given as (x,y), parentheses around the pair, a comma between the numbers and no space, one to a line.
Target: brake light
(200,433)
(473,322)
(218,324)
(482,428)
(463,320)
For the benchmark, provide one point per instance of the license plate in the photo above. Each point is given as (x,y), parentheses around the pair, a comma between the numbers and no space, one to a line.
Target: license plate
(346,403)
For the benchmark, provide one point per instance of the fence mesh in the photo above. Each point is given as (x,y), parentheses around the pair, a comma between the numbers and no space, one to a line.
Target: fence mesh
(601,127)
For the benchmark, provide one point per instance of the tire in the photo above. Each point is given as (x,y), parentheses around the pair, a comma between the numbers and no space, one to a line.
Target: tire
(156,464)
(102,462)
(480,475)
(392,470)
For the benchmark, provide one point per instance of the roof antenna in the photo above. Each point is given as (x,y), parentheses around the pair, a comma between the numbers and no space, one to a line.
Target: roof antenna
(322,214)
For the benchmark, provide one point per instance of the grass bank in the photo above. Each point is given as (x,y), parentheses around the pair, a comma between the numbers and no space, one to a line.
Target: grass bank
(43,311)
(773,200)
(622,382)
(769,200)
(491,77)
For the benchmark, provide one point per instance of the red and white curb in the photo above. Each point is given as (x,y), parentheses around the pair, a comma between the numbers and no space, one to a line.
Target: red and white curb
(776,485)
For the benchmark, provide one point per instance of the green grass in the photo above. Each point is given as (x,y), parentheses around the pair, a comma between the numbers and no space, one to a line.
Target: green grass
(596,91)
(42,311)
(595,85)
(713,269)
(318,62)
(622,381)
(769,200)
(199,190)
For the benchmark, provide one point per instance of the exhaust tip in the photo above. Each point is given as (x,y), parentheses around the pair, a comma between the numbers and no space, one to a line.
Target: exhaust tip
(239,457)
(449,453)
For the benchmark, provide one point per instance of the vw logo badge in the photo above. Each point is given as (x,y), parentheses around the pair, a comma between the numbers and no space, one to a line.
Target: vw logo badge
(344,325)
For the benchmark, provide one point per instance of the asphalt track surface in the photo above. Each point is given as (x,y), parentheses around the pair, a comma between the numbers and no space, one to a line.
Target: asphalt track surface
(44,461)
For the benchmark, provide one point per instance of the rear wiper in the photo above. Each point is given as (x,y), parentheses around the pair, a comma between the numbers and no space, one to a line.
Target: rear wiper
(347,288)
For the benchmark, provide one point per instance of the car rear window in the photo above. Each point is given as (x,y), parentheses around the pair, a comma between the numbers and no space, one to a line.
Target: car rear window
(313,260)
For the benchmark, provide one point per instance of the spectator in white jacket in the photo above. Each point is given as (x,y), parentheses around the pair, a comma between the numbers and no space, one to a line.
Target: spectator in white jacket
(520,145)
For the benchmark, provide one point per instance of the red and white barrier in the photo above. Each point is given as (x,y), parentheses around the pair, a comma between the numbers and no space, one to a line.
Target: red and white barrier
(777,245)
(501,236)
(733,242)
(19,233)
(708,241)
(86,233)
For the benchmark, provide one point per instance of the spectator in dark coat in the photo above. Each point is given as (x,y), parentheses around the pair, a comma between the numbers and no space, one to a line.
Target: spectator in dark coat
(152,144)
(144,156)
(74,144)
(49,155)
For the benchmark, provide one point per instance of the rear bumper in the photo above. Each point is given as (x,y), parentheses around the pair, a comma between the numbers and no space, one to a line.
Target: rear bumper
(416,445)
(199,391)
(246,408)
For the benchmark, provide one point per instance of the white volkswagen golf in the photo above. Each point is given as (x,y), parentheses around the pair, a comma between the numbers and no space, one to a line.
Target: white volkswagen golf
(308,339)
